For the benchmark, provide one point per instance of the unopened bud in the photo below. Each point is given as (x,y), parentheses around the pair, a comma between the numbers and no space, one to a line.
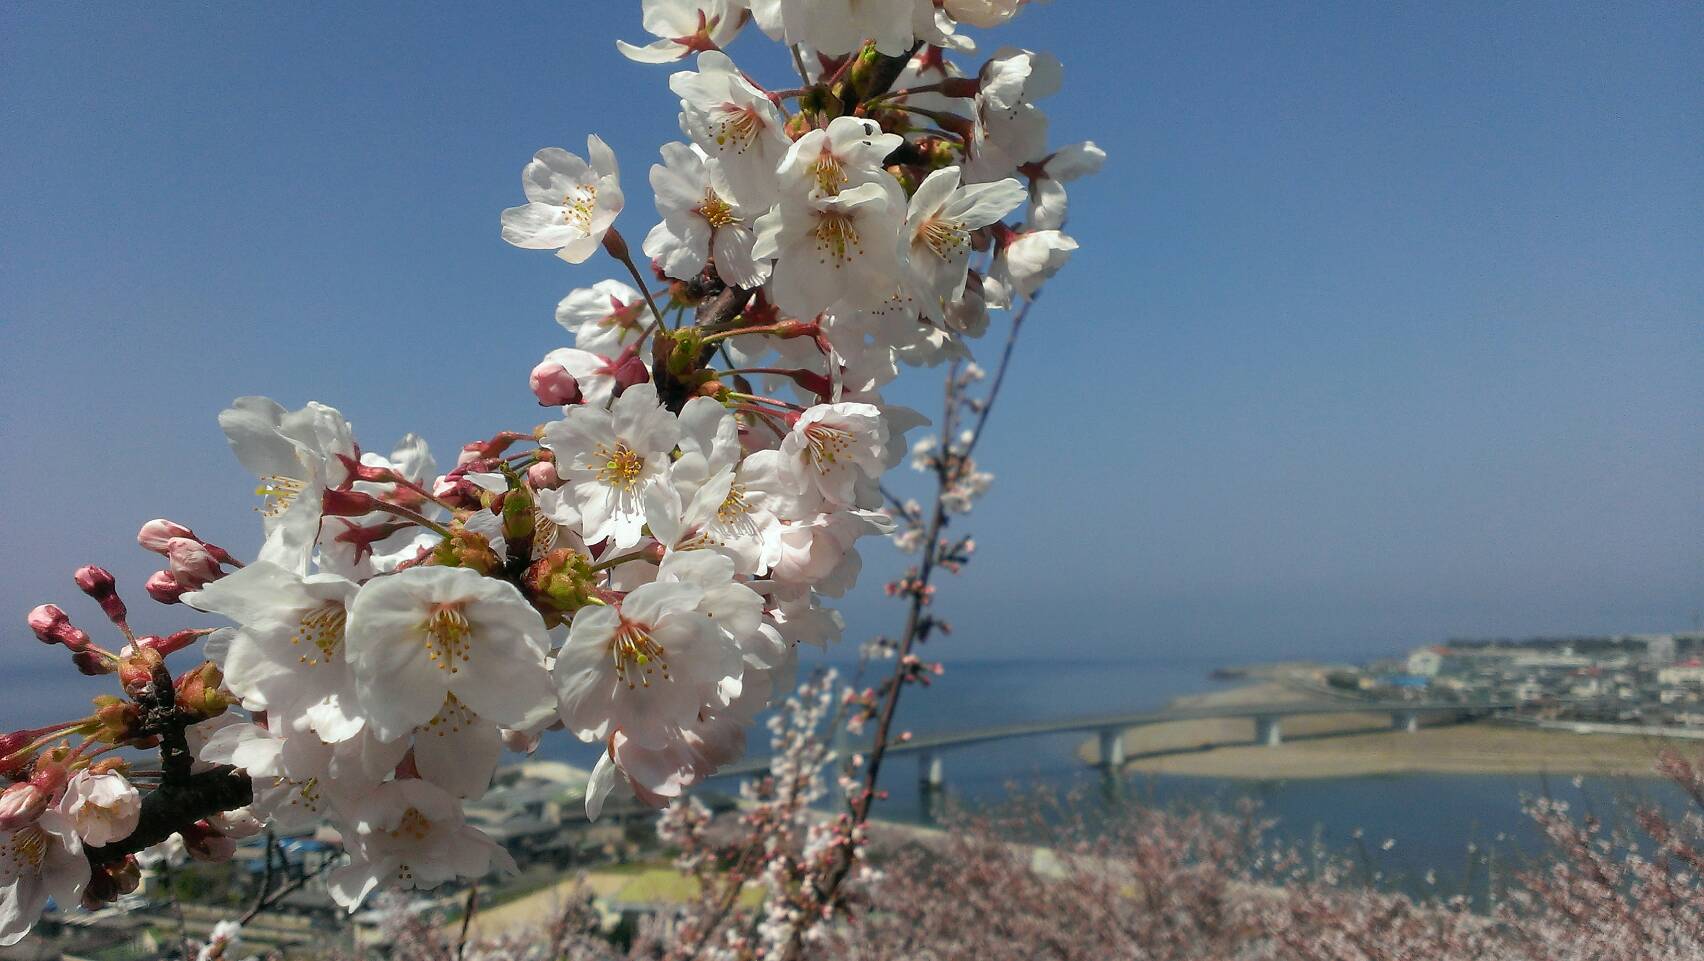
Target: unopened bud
(163,587)
(629,370)
(52,626)
(553,385)
(193,565)
(154,534)
(20,805)
(563,578)
(198,692)
(98,583)
(543,476)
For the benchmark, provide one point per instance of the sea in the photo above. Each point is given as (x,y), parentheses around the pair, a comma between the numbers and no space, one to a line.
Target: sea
(1430,835)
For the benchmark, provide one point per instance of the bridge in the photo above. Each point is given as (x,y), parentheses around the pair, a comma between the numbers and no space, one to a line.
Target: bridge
(1268,730)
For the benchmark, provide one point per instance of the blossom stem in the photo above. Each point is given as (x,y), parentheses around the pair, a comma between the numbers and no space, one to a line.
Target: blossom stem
(617,561)
(755,399)
(618,249)
(416,517)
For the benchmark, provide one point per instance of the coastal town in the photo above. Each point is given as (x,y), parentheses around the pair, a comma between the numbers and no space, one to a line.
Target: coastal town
(1547,692)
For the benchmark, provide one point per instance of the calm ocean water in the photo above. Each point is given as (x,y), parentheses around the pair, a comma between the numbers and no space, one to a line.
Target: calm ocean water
(1445,825)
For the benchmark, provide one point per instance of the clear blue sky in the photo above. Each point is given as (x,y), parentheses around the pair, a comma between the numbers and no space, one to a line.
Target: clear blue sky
(1388,321)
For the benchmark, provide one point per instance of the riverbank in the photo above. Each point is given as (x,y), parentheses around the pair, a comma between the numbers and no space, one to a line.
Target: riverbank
(1358,745)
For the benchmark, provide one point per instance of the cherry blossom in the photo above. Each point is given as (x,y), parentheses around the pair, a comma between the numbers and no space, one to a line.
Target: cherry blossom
(410,834)
(571,203)
(611,458)
(604,317)
(645,667)
(701,216)
(417,635)
(102,808)
(685,27)
(733,121)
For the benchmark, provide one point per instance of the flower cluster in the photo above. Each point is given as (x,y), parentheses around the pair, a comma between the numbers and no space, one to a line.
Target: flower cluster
(639,569)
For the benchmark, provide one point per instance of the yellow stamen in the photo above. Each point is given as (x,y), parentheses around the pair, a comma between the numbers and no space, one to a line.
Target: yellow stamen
(323,628)
(277,493)
(944,237)
(622,467)
(825,444)
(716,211)
(413,825)
(732,124)
(829,173)
(634,647)
(449,637)
(837,237)
(578,205)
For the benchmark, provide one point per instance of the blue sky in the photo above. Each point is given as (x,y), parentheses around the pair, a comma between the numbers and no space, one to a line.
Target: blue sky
(1386,323)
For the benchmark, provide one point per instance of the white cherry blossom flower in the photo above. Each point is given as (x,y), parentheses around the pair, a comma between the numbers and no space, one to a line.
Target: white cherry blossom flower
(410,834)
(288,657)
(843,249)
(938,225)
(610,458)
(842,26)
(847,154)
(836,449)
(645,667)
(657,776)
(424,632)
(103,808)
(733,121)
(1025,261)
(603,317)
(299,778)
(41,860)
(685,27)
(819,554)
(701,216)
(296,455)
(1009,129)
(570,203)
(1047,202)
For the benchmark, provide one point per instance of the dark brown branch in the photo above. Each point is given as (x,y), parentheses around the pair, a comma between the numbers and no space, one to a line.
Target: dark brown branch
(174,807)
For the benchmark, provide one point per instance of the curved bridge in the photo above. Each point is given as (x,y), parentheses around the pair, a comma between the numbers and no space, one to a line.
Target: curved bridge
(1268,725)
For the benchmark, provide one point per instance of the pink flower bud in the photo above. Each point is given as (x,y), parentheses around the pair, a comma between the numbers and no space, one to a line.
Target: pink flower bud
(154,534)
(193,565)
(47,620)
(20,805)
(553,385)
(51,626)
(163,587)
(543,476)
(98,583)
(629,370)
